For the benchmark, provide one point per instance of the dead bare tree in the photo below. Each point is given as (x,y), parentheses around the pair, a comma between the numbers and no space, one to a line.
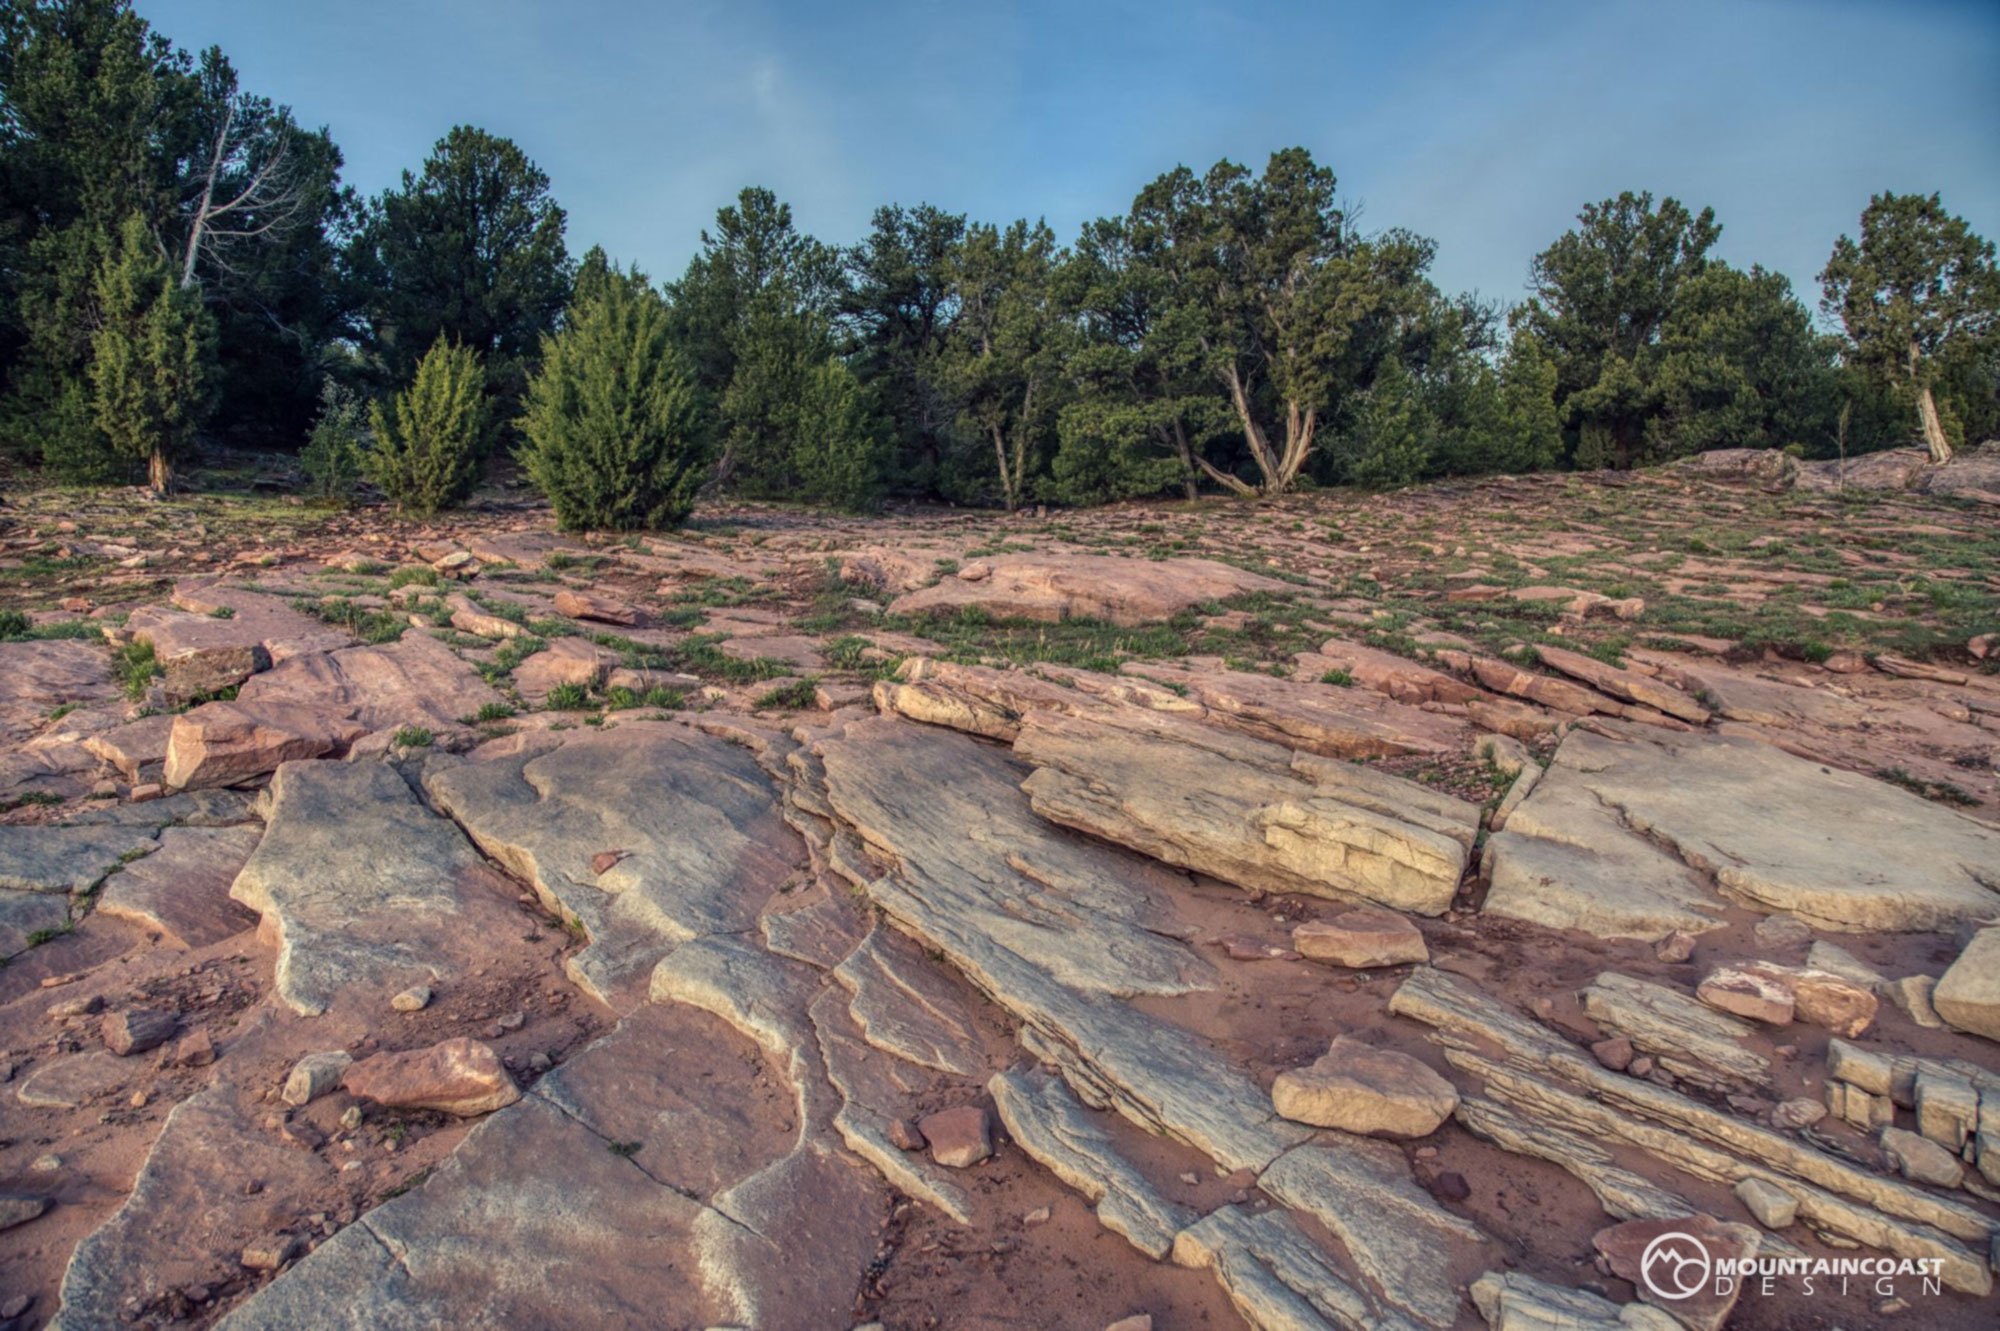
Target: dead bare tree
(265,193)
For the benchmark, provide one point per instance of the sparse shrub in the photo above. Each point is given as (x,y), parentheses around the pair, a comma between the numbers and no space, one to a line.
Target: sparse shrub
(331,460)
(840,446)
(426,448)
(569,698)
(614,431)
(412,737)
(790,697)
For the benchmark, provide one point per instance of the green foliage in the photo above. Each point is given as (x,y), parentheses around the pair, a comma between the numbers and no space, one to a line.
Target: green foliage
(568,698)
(1004,356)
(426,448)
(613,421)
(152,355)
(840,444)
(105,119)
(469,250)
(898,306)
(330,463)
(1527,428)
(789,697)
(135,667)
(1393,433)
(1919,296)
(13,625)
(412,737)
(1291,307)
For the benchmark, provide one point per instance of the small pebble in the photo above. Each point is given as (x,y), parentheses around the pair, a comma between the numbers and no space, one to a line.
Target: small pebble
(414,999)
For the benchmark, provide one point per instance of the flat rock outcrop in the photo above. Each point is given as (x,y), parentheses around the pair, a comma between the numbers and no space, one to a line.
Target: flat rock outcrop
(1587,848)
(1126,592)
(361,885)
(1247,812)
(38,677)
(692,817)
(414,681)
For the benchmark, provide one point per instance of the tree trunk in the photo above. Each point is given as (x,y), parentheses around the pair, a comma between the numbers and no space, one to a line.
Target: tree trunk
(1934,439)
(1186,452)
(1006,477)
(160,472)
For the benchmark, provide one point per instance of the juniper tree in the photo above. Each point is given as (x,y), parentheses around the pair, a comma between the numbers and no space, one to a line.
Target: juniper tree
(1918,288)
(426,448)
(152,356)
(614,424)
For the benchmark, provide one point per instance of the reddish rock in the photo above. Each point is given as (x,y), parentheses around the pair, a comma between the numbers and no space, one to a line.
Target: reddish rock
(1239,948)
(1676,947)
(959,1138)
(589,605)
(1827,1000)
(576,661)
(1673,1264)
(1615,1053)
(133,746)
(1359,1088)
(221,743)
(460,1076)
(604,861)
(1449,1185)
(138,1029)
(1747,993)
(905,1136)
(194,1050)
(1362,938)
(1122,591)
(271,1253)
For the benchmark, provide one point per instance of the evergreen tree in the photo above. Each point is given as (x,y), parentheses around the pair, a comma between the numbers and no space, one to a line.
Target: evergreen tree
(469,249)
(900,308)
(1527,426)
(87,88)
(614,428)
(331,460)
(1142,403)
(151,368)
(842,448)
(1602,293)
(426,449)
(1291,307)
(1917,293)
(1393,433)
(1005,356)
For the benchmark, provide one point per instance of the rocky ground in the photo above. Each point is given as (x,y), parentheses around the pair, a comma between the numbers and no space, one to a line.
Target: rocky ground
(1347,911)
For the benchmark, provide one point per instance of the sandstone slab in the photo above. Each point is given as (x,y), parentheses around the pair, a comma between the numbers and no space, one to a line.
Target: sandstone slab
(703,837)
(414,681)
(1126,592)
(181,891)
(36,677)
(67,859)
(222,743)
(1633,834)
(363,888)
(1967,996)
(1361,1089)
(1672,1262)
(1250,813)
(1361,939)
(461,1077)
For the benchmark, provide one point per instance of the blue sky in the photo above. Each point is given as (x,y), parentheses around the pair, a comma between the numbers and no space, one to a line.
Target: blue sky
(1480,125)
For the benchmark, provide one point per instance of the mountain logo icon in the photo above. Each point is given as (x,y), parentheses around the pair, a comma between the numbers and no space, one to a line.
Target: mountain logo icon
(1676,1266)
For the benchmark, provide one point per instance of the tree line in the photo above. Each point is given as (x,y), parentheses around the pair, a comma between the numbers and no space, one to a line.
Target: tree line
(179,260)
